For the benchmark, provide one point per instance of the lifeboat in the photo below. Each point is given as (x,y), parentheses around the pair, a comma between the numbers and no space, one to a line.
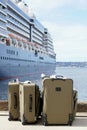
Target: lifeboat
(24,43)
(12,39)
(29,45)
(36,45)
(19,43)
(8,41)
(12,35)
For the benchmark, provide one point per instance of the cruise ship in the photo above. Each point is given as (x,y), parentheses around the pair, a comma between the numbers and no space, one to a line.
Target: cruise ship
(24,41)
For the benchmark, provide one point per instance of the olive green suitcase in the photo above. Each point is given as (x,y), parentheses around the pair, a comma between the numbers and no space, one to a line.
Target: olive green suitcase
(58,101)
(13,100)
(29,102)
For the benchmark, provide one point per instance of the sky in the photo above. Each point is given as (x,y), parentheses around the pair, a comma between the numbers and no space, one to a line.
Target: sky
(66,21)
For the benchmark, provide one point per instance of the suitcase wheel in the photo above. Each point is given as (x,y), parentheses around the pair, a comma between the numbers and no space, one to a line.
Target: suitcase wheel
(45,123)
(44,120)
(23,123)
(9,119)
(23,120)
(70,123)
(70,119)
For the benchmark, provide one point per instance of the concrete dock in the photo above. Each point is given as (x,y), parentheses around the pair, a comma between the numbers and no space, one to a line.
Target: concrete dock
(79,123)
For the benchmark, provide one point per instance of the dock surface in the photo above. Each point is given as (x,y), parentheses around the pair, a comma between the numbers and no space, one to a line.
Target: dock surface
(80,123)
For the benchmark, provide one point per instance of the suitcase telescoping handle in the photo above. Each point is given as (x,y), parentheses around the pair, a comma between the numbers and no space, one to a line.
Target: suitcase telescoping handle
(15,100)
(30,102)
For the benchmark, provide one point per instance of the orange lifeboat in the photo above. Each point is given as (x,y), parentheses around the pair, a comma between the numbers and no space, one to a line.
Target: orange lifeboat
(12,35)
(8,41)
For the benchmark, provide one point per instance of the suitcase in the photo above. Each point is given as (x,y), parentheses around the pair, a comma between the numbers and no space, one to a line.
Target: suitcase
(29,102)
(13,100)
(74,102)
(58,102)
(41,106)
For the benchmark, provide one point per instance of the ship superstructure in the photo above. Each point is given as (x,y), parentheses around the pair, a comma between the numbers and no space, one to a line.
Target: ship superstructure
(23,39)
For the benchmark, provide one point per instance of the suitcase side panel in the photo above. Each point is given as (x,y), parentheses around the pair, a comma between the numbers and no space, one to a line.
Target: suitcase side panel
(57,100)
(29,103)
(37,101)
(21,95)
(74,103)
(13,101)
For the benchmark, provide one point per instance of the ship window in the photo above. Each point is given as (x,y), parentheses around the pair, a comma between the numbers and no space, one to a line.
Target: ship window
(41,58)
(31,20)
(17,53)
(45,32)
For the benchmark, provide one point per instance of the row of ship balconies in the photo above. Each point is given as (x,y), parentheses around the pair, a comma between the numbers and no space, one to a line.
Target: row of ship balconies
(24,30)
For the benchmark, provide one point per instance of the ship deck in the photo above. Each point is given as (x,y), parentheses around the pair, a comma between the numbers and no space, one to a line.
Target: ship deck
(79,123)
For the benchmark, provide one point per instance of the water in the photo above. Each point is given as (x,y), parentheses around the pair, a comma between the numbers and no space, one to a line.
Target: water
(32,73)
(78,75)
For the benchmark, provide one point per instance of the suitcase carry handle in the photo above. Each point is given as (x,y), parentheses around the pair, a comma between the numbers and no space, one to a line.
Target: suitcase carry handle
(30,103)
(56,77)
(60,76)
(15,100)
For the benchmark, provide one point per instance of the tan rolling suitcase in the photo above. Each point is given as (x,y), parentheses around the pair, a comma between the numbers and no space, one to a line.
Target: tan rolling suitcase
(29,102)
(58,101)
(13,100)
